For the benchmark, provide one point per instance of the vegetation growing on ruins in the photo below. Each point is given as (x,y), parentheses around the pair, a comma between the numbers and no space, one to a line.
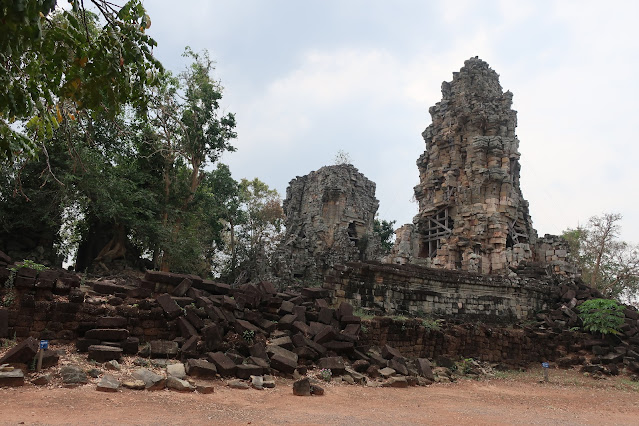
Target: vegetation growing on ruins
(384,228)
(606,262)
(602,316)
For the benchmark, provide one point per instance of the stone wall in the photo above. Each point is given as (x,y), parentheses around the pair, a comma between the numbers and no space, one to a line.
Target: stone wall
(509,346)
(411,289)
(329,220)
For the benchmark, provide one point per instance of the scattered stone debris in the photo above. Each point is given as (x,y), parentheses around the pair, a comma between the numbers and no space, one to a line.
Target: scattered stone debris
(72,375)
(108,383)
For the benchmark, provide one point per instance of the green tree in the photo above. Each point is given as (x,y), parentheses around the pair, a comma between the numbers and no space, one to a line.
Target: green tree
(254,232)
(384,229)
(189,132)
(57,64)
(607,263)
(603,316)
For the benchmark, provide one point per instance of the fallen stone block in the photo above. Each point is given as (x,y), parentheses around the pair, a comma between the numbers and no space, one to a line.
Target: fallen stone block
(204,388)
(50,358)
(73,375)
(326,334)
(108,383)
(335,364)
(113,365)
(389,352)
(130,346)
(361,365)
(82,344)
(345,309)
(357,377)
(286,322)
(399,365)
(176,370)
(194,318)
(386,372)
(339,347)
(42,380)
(179,385)
(304,352)
(22,353)
(237,384)
(163,348)
(317,390)
(225,366)
(283,342)
(245,371)
(186,328)
(300,340)
(213,287)
(182,288)
(283,363)
(302,387)
(169,306)
(257,382)
(13,378)
(151,380)
(201,368)
(396,382)
(315,293)
(424,368)
(102,353)
(134,384)
(162,277)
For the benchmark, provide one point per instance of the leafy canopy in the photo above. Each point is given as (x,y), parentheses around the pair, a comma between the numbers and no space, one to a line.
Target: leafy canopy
(58,63)
(607,263)
(603,316)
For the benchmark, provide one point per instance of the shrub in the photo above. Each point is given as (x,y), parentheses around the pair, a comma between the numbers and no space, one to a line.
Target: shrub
(603,316)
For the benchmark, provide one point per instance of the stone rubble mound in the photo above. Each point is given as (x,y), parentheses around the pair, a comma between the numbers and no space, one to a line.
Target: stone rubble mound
(608,355)
(216,331)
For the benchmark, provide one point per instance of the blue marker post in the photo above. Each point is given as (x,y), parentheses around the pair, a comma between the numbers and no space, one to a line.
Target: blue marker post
(44,345)
(545,367)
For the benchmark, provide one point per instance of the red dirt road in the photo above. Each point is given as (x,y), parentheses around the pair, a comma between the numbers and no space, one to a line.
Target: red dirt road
(570,399)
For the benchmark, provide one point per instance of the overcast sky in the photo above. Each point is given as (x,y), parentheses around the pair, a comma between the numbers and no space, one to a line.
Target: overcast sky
(308,78)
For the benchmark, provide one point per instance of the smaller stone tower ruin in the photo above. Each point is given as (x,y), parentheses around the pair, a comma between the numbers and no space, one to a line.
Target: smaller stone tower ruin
(329,220)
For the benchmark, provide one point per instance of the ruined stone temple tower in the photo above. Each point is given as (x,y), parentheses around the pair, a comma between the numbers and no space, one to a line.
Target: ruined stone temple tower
(329,220)
(472,215)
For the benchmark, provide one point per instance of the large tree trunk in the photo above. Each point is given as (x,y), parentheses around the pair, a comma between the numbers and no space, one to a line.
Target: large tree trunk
(105,242)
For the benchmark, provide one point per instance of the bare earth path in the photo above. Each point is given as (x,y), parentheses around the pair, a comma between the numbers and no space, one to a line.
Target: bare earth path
(570,399)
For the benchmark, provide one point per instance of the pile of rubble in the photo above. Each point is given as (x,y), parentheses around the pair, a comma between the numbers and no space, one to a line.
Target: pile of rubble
(244,333)
(608,355)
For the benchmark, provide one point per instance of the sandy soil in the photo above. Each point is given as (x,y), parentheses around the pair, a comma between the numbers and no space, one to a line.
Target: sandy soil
(516,398)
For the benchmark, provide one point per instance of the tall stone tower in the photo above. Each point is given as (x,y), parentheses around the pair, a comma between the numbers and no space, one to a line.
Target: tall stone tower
(472,215)
(329,220)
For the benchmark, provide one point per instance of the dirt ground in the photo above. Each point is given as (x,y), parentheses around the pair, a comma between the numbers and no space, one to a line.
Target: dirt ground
(569,398)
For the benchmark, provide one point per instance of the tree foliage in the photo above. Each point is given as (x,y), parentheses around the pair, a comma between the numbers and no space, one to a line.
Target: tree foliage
(607,263)
(603,316)
(384,229)
(56,64)
(254,231)
(188,132)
